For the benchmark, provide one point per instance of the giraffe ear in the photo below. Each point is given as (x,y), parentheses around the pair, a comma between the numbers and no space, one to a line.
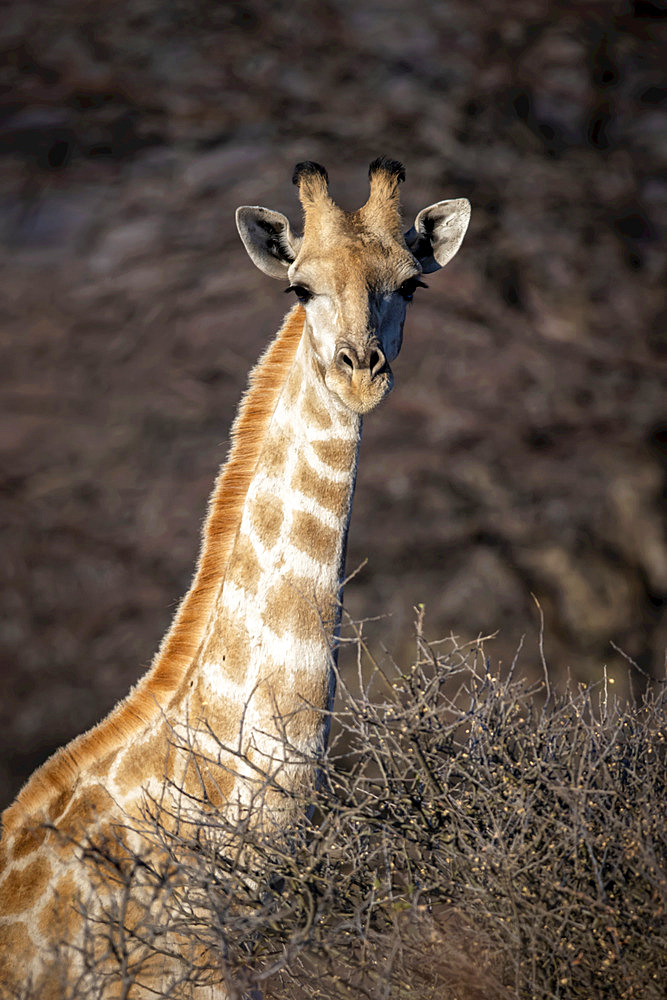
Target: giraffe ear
(268,239)
(438,233)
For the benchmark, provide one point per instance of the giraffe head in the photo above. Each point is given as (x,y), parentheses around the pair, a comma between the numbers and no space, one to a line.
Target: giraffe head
(354,272)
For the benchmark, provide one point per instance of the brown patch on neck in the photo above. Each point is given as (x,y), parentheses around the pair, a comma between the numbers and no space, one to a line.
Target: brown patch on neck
(294,701)
(337,453)
(244,568)
(274,455)
(267,515)
(59,917)
(23,887)
(316,539)
(17,942)
(293,607)
(314,412)
(28,840)
(180,645)
(333,496)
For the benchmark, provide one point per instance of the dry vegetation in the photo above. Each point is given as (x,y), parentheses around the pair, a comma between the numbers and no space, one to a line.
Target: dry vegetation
(524,447)
(470,839)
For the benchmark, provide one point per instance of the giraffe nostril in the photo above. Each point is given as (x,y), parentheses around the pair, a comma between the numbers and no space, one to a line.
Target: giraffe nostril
(376,362)
(347,360)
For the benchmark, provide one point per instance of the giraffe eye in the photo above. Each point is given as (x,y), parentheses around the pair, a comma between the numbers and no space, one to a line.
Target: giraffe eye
(302,294)
(408,288)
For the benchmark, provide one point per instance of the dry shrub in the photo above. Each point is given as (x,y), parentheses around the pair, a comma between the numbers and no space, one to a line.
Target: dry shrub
(466,840)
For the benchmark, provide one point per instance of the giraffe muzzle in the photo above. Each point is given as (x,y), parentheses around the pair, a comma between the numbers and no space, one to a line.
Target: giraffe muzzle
(360,376)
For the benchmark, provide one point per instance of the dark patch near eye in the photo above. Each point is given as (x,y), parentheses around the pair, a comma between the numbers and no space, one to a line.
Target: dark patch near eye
(408,288)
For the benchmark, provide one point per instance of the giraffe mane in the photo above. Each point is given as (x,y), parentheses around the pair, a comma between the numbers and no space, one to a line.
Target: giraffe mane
(151,695)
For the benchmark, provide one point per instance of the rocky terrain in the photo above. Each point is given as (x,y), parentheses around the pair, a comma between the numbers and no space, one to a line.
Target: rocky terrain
(524,449)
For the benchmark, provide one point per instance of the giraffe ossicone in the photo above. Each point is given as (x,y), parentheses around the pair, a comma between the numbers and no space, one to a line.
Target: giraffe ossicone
(249,660)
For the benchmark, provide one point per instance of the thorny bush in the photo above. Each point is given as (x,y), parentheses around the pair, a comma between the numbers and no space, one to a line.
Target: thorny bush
(467,839)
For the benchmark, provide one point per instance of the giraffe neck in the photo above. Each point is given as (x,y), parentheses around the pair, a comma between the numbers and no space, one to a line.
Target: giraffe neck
(260,679)
(253,637)
(268,651)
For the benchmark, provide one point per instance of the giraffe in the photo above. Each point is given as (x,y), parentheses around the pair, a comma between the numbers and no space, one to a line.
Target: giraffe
(249,660)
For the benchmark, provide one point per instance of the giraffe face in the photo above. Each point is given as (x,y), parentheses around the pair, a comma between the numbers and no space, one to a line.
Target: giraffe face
(354,272)
(355,287)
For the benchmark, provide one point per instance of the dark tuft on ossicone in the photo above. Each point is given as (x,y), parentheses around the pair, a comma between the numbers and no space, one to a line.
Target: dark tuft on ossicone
(307,169)
(393,167)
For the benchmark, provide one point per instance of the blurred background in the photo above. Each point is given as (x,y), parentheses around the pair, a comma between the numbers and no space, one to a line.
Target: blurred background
(523,450)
